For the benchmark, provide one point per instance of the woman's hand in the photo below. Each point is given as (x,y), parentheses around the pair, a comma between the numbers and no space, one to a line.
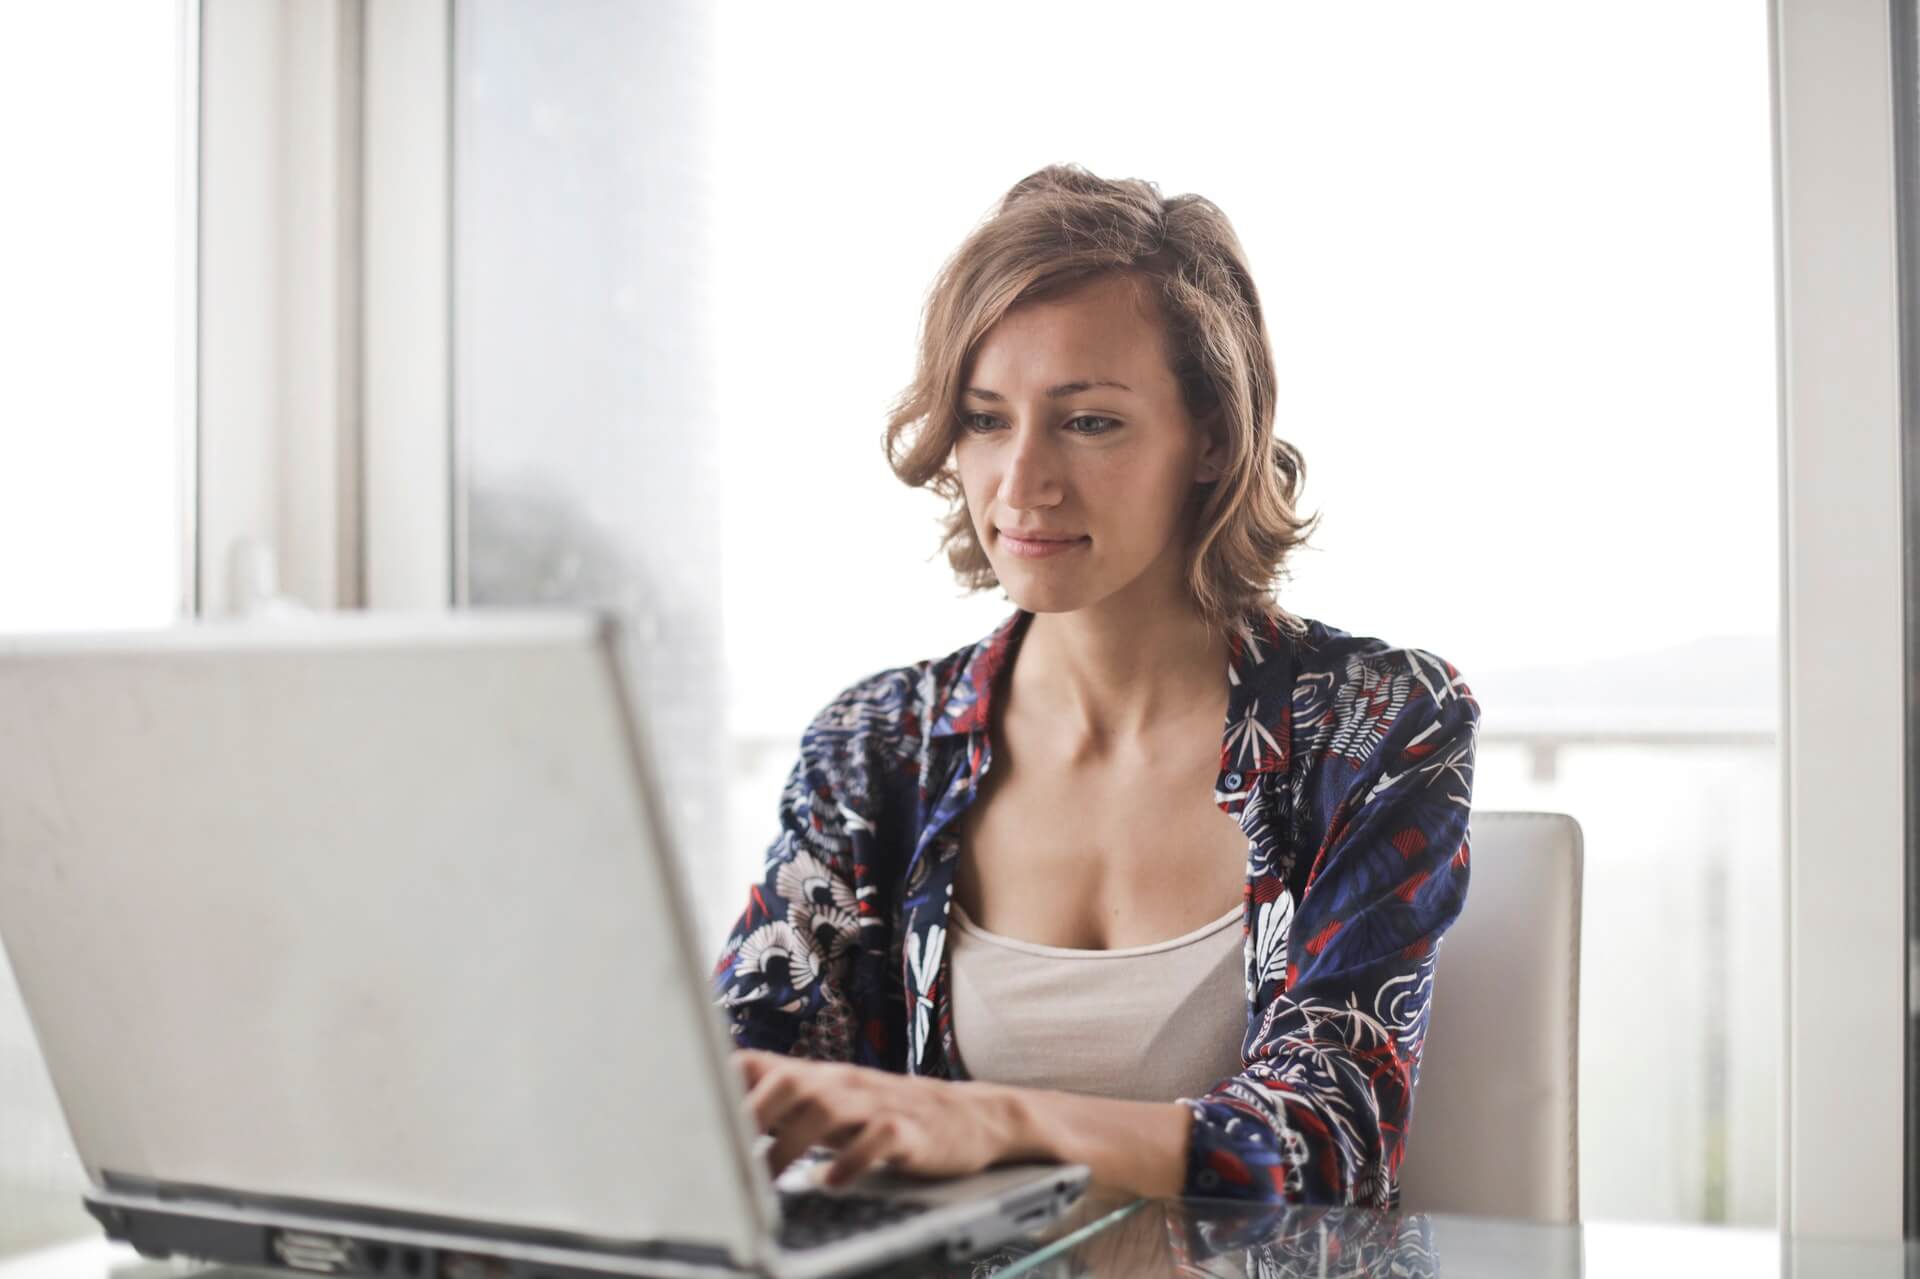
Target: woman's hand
(925,1127)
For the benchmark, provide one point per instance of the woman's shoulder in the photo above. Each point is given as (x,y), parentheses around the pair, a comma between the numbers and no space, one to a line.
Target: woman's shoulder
(902,707)
(1350,690)
(1321,649)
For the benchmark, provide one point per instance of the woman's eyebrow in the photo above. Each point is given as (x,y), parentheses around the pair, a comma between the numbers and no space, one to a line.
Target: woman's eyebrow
(1053,392)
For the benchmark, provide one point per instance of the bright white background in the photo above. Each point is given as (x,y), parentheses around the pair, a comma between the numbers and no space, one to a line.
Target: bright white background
(91,331)
(1515,259)
(89,516)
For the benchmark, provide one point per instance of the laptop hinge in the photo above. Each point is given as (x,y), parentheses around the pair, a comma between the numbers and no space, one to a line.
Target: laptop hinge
(208,1221)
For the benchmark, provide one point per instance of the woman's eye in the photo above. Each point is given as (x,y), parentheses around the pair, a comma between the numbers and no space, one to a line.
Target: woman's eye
(1085,424)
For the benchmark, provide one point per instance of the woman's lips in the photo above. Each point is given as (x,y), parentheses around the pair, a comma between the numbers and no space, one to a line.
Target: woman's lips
(1038,549)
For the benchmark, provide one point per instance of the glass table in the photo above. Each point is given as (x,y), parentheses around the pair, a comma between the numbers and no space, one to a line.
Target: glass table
(1113,1235)
(1108,1234)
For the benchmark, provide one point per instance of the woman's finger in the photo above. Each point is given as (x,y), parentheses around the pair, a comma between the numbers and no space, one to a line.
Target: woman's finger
(796,1137)
(883,1138)
(796,1130)
(798,1107)
(777,1093)
(750,1064)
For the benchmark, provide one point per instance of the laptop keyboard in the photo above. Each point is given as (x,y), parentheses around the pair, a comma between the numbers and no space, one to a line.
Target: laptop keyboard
(810,1218)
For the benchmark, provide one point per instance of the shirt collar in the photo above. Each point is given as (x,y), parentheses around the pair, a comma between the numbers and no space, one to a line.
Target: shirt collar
(1259,693)
(966,708)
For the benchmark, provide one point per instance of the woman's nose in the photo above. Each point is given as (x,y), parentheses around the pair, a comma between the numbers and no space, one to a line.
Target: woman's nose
(1032,476)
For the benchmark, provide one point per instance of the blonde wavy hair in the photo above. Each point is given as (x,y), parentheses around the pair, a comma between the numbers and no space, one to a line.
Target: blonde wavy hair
(1053,230)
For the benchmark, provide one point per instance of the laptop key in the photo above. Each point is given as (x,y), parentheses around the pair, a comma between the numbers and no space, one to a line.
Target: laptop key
(810,1218)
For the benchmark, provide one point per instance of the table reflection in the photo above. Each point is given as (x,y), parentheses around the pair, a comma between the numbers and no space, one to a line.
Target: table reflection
(1109,1234)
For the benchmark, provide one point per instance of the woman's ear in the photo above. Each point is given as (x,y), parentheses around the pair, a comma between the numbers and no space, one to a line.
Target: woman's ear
(1211,462)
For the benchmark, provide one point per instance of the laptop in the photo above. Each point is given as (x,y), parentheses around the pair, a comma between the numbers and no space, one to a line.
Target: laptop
(357,944)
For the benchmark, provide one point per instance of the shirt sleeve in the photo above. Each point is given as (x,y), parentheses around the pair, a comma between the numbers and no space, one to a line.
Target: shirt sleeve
(1321,1110)
(800,968)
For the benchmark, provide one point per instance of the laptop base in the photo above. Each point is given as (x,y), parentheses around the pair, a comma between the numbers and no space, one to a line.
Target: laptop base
(235,1235)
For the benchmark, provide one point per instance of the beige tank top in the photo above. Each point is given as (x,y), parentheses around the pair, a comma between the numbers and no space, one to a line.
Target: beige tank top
(1141,1023)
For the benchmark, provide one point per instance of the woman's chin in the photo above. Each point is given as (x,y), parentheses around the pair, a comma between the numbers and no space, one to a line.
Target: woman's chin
(1041,597)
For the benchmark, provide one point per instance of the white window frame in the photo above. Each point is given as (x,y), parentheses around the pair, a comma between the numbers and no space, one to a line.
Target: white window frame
(1844,788)
(1905,30)
(277,414)
(323,422)
(186,413)
(414,534)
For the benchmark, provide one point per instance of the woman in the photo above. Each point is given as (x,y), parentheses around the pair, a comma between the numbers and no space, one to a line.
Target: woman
(996,924)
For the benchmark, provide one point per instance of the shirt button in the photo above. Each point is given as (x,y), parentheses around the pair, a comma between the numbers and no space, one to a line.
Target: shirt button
(1234,780)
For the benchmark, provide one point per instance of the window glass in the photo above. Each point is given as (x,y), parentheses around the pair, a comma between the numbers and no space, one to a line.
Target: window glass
(91,527)
(1517,266)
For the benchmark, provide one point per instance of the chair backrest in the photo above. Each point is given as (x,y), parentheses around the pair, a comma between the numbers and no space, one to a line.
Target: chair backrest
(1494,1129)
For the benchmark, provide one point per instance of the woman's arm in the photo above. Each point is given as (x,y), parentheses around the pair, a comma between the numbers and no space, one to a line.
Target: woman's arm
(1136,1146)
(945,1128)
(1321,1112)
(800,970)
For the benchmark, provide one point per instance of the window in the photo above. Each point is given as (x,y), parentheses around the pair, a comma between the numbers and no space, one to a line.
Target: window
(93,530)
(1517,263)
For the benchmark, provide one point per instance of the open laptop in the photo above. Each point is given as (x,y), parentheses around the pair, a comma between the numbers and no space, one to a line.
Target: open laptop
(357,944)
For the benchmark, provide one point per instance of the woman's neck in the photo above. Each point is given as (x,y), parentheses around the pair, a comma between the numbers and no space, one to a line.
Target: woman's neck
(1109,679)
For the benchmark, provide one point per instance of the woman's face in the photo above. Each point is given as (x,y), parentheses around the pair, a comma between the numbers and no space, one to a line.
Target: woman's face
(1076,454)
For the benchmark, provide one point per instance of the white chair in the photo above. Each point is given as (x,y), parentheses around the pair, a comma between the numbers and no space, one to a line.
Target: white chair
(1494,1129)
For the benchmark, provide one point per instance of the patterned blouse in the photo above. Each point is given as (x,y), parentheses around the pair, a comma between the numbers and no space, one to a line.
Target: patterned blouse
(1347,762)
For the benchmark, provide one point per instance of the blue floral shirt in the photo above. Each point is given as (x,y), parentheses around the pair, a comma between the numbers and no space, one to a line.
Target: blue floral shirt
(1347,762)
